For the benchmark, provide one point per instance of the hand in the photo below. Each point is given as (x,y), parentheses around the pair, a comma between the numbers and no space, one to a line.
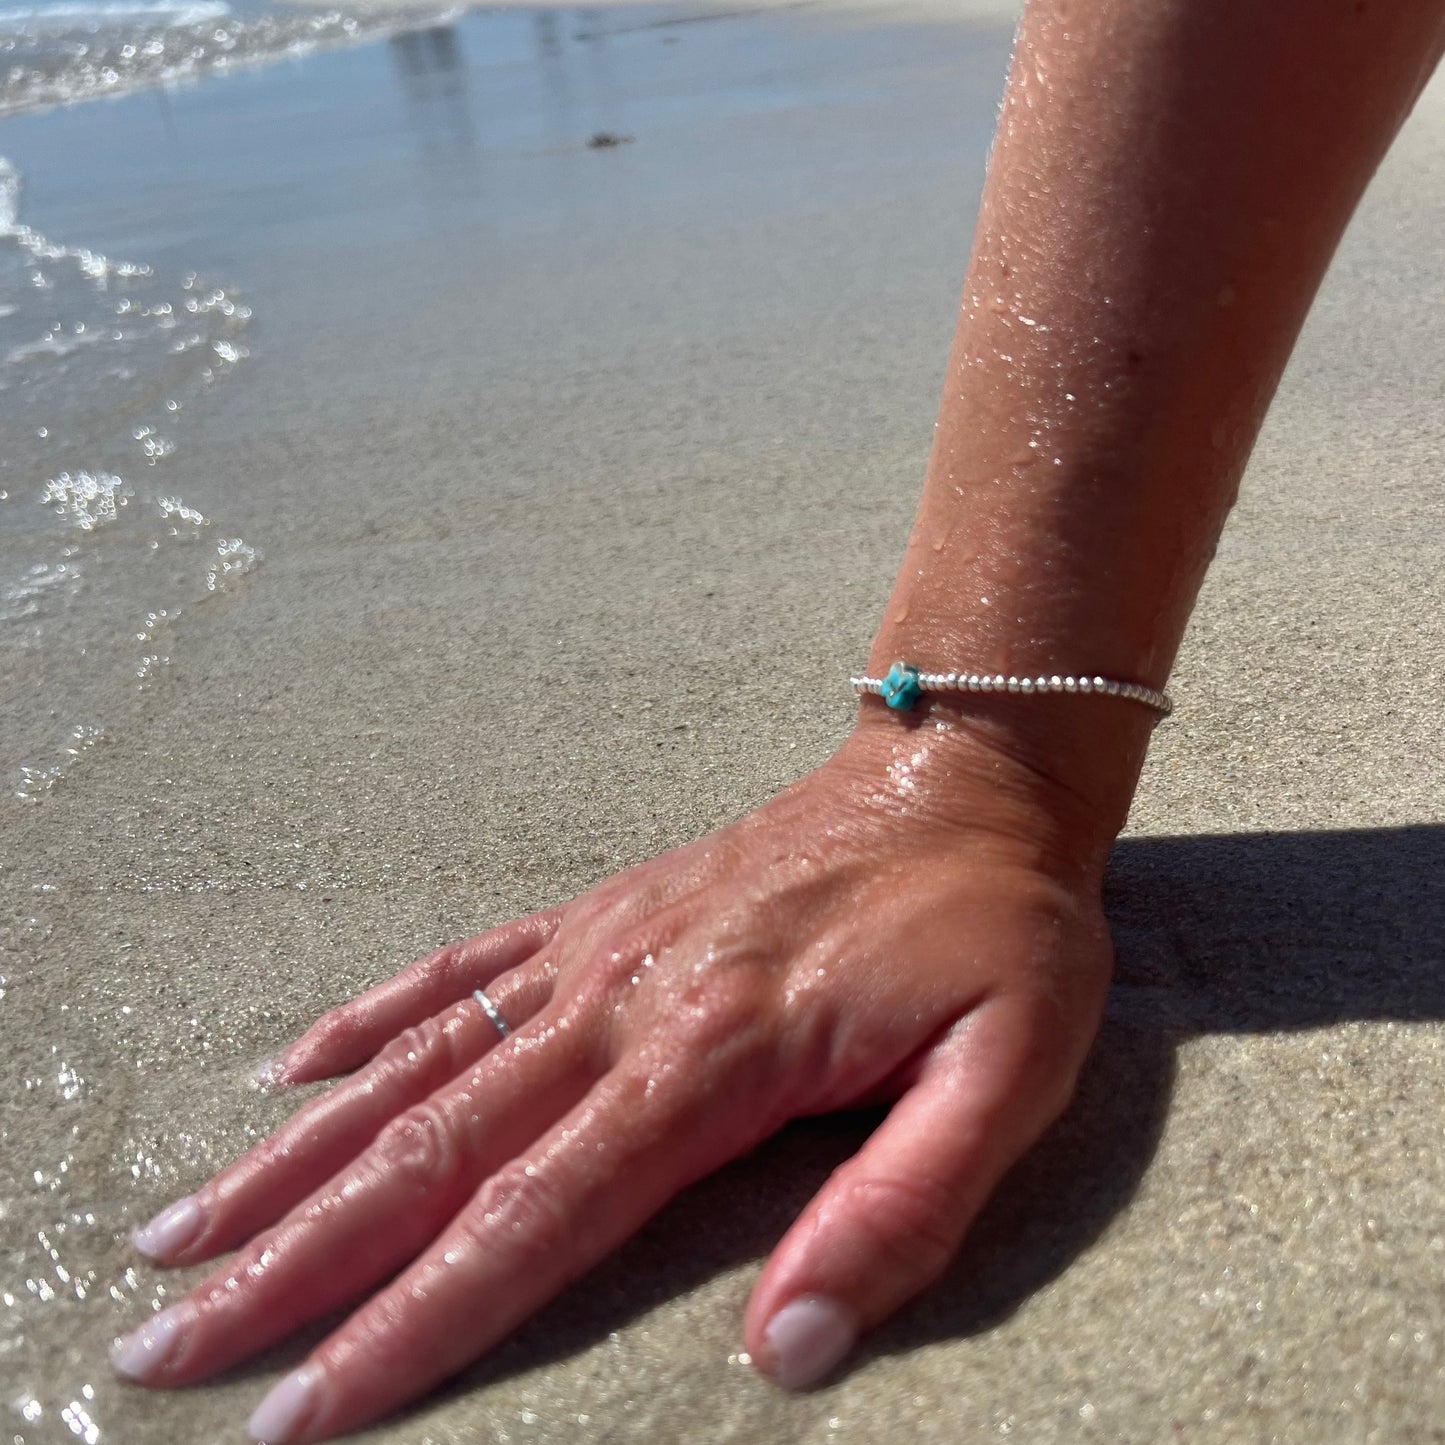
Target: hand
(918,919)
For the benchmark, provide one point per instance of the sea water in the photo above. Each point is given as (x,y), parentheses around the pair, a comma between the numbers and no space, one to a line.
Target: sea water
(101,357)
(103,360)
(60,51)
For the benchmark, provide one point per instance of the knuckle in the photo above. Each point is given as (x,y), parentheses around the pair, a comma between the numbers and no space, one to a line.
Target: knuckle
(729,1013)
(437,970)
(241,1277)
(520,1217)
(422,1147)
(272,1155)
(625,955)
(916,1223)
(425,1046)
(1051,1061)
(367,1345)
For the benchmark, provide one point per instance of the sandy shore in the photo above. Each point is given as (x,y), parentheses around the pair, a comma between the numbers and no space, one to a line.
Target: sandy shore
(555,456)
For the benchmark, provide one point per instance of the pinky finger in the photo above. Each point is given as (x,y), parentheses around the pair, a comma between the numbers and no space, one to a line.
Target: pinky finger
(349,1036)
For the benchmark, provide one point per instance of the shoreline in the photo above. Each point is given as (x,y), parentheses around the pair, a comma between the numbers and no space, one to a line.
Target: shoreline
(558,457)
(376,21)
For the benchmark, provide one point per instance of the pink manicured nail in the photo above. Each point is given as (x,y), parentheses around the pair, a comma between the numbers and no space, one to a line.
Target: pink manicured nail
(287,1406)
(171,1230)
(142,1355)
(807,1338)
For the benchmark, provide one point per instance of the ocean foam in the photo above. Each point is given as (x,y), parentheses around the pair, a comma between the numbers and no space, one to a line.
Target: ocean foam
(99,353)
(72,13)
(77,50)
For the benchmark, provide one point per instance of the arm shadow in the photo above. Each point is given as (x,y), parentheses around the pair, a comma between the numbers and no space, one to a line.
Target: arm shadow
(1251,933)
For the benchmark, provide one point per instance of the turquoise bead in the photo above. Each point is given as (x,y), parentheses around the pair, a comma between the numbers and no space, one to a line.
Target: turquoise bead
(901,688)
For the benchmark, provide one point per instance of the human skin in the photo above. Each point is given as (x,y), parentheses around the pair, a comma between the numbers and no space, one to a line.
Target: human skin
(919,919)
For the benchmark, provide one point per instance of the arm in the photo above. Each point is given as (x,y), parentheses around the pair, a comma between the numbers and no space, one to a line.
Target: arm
(920,919)
(1168,184)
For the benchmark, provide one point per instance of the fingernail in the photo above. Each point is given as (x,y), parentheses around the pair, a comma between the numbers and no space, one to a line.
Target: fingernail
(807,1338)
(142,1355)
(287,1406)
(271,1074)
(176,1226)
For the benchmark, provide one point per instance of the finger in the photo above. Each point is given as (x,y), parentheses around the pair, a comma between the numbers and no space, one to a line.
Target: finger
(533,1228)
(369,1220)
(263,1185)
(348,1036)
(887,1223)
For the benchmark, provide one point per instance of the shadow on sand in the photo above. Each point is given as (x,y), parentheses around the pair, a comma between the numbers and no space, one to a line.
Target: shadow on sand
(1243,934)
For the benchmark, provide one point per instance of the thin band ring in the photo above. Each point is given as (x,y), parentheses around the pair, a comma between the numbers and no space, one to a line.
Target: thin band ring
(493,1013)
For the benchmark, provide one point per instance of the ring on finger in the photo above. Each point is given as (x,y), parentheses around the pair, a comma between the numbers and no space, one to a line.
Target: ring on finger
(493,1013)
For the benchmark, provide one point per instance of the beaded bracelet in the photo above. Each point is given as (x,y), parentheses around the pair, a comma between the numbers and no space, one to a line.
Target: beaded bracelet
(905,685)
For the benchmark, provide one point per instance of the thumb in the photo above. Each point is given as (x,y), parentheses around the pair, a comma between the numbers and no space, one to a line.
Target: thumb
(888,1222)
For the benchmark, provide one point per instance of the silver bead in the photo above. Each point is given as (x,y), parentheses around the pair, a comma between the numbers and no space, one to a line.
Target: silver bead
(999,682)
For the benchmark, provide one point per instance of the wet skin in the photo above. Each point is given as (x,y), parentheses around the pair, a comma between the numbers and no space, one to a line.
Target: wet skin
(918,920)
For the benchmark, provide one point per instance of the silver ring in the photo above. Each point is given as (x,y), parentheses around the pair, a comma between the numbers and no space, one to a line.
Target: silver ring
(493,1013)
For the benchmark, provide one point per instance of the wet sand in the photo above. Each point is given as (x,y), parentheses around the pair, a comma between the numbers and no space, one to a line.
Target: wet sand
(559,457)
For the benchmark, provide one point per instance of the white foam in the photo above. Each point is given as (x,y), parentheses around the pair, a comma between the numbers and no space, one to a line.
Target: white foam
(172,12)
(75,50)
(92,357)
(9,199)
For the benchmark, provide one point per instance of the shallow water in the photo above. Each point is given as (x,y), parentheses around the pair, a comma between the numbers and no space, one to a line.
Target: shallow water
(418,247)
(101,358)
(72,50)
(559,457)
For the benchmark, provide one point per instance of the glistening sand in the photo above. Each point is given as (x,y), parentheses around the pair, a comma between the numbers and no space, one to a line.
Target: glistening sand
(579,477)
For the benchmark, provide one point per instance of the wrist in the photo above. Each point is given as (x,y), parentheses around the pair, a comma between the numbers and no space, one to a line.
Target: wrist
(1057,772)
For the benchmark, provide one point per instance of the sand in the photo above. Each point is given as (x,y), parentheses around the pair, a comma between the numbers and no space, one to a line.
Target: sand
(556,456)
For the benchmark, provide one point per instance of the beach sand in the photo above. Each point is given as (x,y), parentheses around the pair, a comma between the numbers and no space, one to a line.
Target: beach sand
(580,477)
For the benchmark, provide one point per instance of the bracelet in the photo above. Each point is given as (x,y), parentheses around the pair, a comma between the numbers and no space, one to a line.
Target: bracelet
(905,685)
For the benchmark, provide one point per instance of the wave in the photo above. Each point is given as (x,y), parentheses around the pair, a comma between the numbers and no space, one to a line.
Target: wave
(77,50)
(70,12)
(103,361)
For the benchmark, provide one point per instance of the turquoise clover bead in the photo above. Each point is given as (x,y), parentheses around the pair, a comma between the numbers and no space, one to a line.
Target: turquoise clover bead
(901,688)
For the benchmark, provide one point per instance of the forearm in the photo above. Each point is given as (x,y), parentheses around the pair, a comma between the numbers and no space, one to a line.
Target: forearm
(1169,181)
